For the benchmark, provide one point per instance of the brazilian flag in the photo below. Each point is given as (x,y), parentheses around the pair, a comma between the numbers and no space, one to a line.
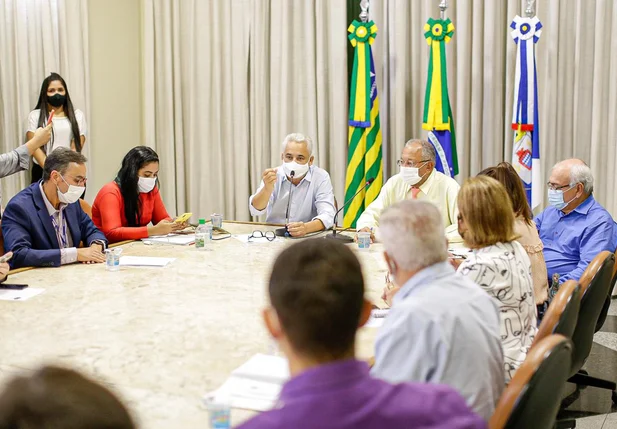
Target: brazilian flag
(364,155)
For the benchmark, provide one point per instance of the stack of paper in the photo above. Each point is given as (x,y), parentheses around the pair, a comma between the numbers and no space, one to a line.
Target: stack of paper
(144,261)
(19,294)
(182,240)
(377,317)
(255,385)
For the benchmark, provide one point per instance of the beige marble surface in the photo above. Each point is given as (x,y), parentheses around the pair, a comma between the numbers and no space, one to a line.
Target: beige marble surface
(160,337)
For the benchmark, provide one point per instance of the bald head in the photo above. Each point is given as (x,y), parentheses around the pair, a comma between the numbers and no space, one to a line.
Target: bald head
(573,171)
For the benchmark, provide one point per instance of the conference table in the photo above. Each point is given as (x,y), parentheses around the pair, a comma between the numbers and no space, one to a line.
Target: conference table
(161,338)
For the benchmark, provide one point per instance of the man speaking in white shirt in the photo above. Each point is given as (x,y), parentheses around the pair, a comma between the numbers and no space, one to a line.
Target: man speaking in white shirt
(417,179)
(312,199)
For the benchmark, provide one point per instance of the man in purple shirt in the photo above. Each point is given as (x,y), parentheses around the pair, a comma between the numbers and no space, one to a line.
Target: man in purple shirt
(575,227)
(317,303)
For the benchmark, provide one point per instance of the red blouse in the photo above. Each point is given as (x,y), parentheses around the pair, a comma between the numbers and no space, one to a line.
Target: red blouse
(108,213)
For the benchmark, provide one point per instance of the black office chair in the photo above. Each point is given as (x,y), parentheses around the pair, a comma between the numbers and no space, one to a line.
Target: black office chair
(562,314)
(595,283)
(532,398)
(607,303)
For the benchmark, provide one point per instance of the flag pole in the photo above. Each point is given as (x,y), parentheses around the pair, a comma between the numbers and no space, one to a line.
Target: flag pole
(529,10)
(442,8)
(364,4)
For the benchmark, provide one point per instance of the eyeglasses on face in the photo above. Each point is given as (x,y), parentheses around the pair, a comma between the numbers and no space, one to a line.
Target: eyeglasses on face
(79,181)
(556,187)
(410,163)
(268,235)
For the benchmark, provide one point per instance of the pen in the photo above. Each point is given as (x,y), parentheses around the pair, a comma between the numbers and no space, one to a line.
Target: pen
(12,287)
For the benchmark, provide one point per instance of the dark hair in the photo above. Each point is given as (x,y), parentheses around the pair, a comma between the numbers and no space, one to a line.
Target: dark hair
(55,397)
(127,179)
(507,176)
(59,161)
(317,290)
(68,108)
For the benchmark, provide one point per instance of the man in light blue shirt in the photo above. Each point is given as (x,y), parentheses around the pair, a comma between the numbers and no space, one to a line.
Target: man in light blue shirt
(575,228)
(312,199)
(442,328)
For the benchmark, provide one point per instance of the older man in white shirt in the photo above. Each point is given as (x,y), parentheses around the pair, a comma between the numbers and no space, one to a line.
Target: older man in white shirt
(417,179)
(312,206)
(442,327)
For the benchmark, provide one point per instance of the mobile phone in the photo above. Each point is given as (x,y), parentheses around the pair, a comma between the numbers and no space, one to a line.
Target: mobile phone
(183,218)
(5,258)
(12,286)
(51,116)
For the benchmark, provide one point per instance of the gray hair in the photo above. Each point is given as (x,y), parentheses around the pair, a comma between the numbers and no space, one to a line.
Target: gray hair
(413,235)
(581,173)
(59,160)
(298,138)
(428,151)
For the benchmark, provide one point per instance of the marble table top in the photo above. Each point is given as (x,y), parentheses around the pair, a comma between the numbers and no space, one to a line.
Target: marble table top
(159,337)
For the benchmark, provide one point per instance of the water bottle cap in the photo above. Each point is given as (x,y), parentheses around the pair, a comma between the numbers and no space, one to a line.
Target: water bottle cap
(202,221)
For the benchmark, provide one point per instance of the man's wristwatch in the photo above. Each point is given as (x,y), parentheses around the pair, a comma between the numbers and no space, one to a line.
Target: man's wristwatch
(103,243)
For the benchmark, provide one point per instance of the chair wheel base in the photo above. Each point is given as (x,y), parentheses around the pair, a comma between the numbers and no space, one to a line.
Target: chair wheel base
(614,397)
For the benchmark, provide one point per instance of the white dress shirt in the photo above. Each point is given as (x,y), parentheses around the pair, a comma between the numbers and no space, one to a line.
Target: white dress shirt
(439,189)
(68,253)
(444,329)
(311,199)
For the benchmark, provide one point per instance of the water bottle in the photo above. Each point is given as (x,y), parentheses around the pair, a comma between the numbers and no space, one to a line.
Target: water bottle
(202,235)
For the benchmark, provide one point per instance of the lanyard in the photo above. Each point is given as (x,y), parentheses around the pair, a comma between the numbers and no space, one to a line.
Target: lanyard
(62,237)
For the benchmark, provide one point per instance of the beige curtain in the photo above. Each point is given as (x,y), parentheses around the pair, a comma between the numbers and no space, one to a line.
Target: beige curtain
(38,37)
(577,65)
(225,81)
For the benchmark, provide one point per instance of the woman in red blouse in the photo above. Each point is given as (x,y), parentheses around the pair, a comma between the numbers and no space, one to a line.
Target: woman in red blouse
(124,208)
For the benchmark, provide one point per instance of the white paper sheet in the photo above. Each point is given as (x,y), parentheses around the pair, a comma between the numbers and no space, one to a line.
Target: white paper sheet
(144,261)
(20,295)
(377,318)
(181,240)
(255,385)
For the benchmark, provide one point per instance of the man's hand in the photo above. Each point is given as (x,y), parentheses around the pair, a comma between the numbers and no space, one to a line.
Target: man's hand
(269,178)
(4,266)
(98,246)
(365,229)
(90,255)
(296,229)
(42,135)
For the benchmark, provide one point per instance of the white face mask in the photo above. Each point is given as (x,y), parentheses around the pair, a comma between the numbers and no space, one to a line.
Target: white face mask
(299,169)
(72,195)
(146,184)
(410,175)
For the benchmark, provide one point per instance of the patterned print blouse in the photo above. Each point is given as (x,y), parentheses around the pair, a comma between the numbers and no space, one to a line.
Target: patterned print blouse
(503,270)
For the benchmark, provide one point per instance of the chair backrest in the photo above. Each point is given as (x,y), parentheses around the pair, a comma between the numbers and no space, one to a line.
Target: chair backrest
(87,208)
(533,396)
(607,303)
(562,313)
(594,282)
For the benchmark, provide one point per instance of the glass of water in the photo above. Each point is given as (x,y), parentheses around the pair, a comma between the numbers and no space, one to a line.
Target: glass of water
(112,259)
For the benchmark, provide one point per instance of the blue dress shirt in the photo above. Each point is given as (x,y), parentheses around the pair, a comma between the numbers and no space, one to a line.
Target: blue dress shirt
(572,240)
(443,328)
(311,199)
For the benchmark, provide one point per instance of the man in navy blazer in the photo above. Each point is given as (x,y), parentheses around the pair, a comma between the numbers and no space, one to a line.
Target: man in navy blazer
(44,225)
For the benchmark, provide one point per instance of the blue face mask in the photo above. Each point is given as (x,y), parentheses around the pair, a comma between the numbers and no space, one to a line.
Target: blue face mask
(555,198)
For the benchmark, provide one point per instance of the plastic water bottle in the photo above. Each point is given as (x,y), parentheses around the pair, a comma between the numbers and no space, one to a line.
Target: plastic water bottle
(202,235)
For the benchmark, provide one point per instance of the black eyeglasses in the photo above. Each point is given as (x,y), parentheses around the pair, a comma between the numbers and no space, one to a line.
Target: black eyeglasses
(268,235)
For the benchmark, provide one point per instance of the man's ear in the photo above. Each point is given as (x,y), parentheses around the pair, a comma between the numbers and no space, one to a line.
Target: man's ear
(367,306)
(272,322)
(390,262)
(311,160)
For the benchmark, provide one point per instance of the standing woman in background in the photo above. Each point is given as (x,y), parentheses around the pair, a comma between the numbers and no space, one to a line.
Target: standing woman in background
(67,122)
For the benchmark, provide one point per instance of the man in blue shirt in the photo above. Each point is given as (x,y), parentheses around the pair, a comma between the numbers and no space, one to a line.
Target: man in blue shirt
(575,227)
(317,303)
(312,205)
(442,327)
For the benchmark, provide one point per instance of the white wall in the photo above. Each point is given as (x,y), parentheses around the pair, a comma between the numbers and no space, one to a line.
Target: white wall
(116,115)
